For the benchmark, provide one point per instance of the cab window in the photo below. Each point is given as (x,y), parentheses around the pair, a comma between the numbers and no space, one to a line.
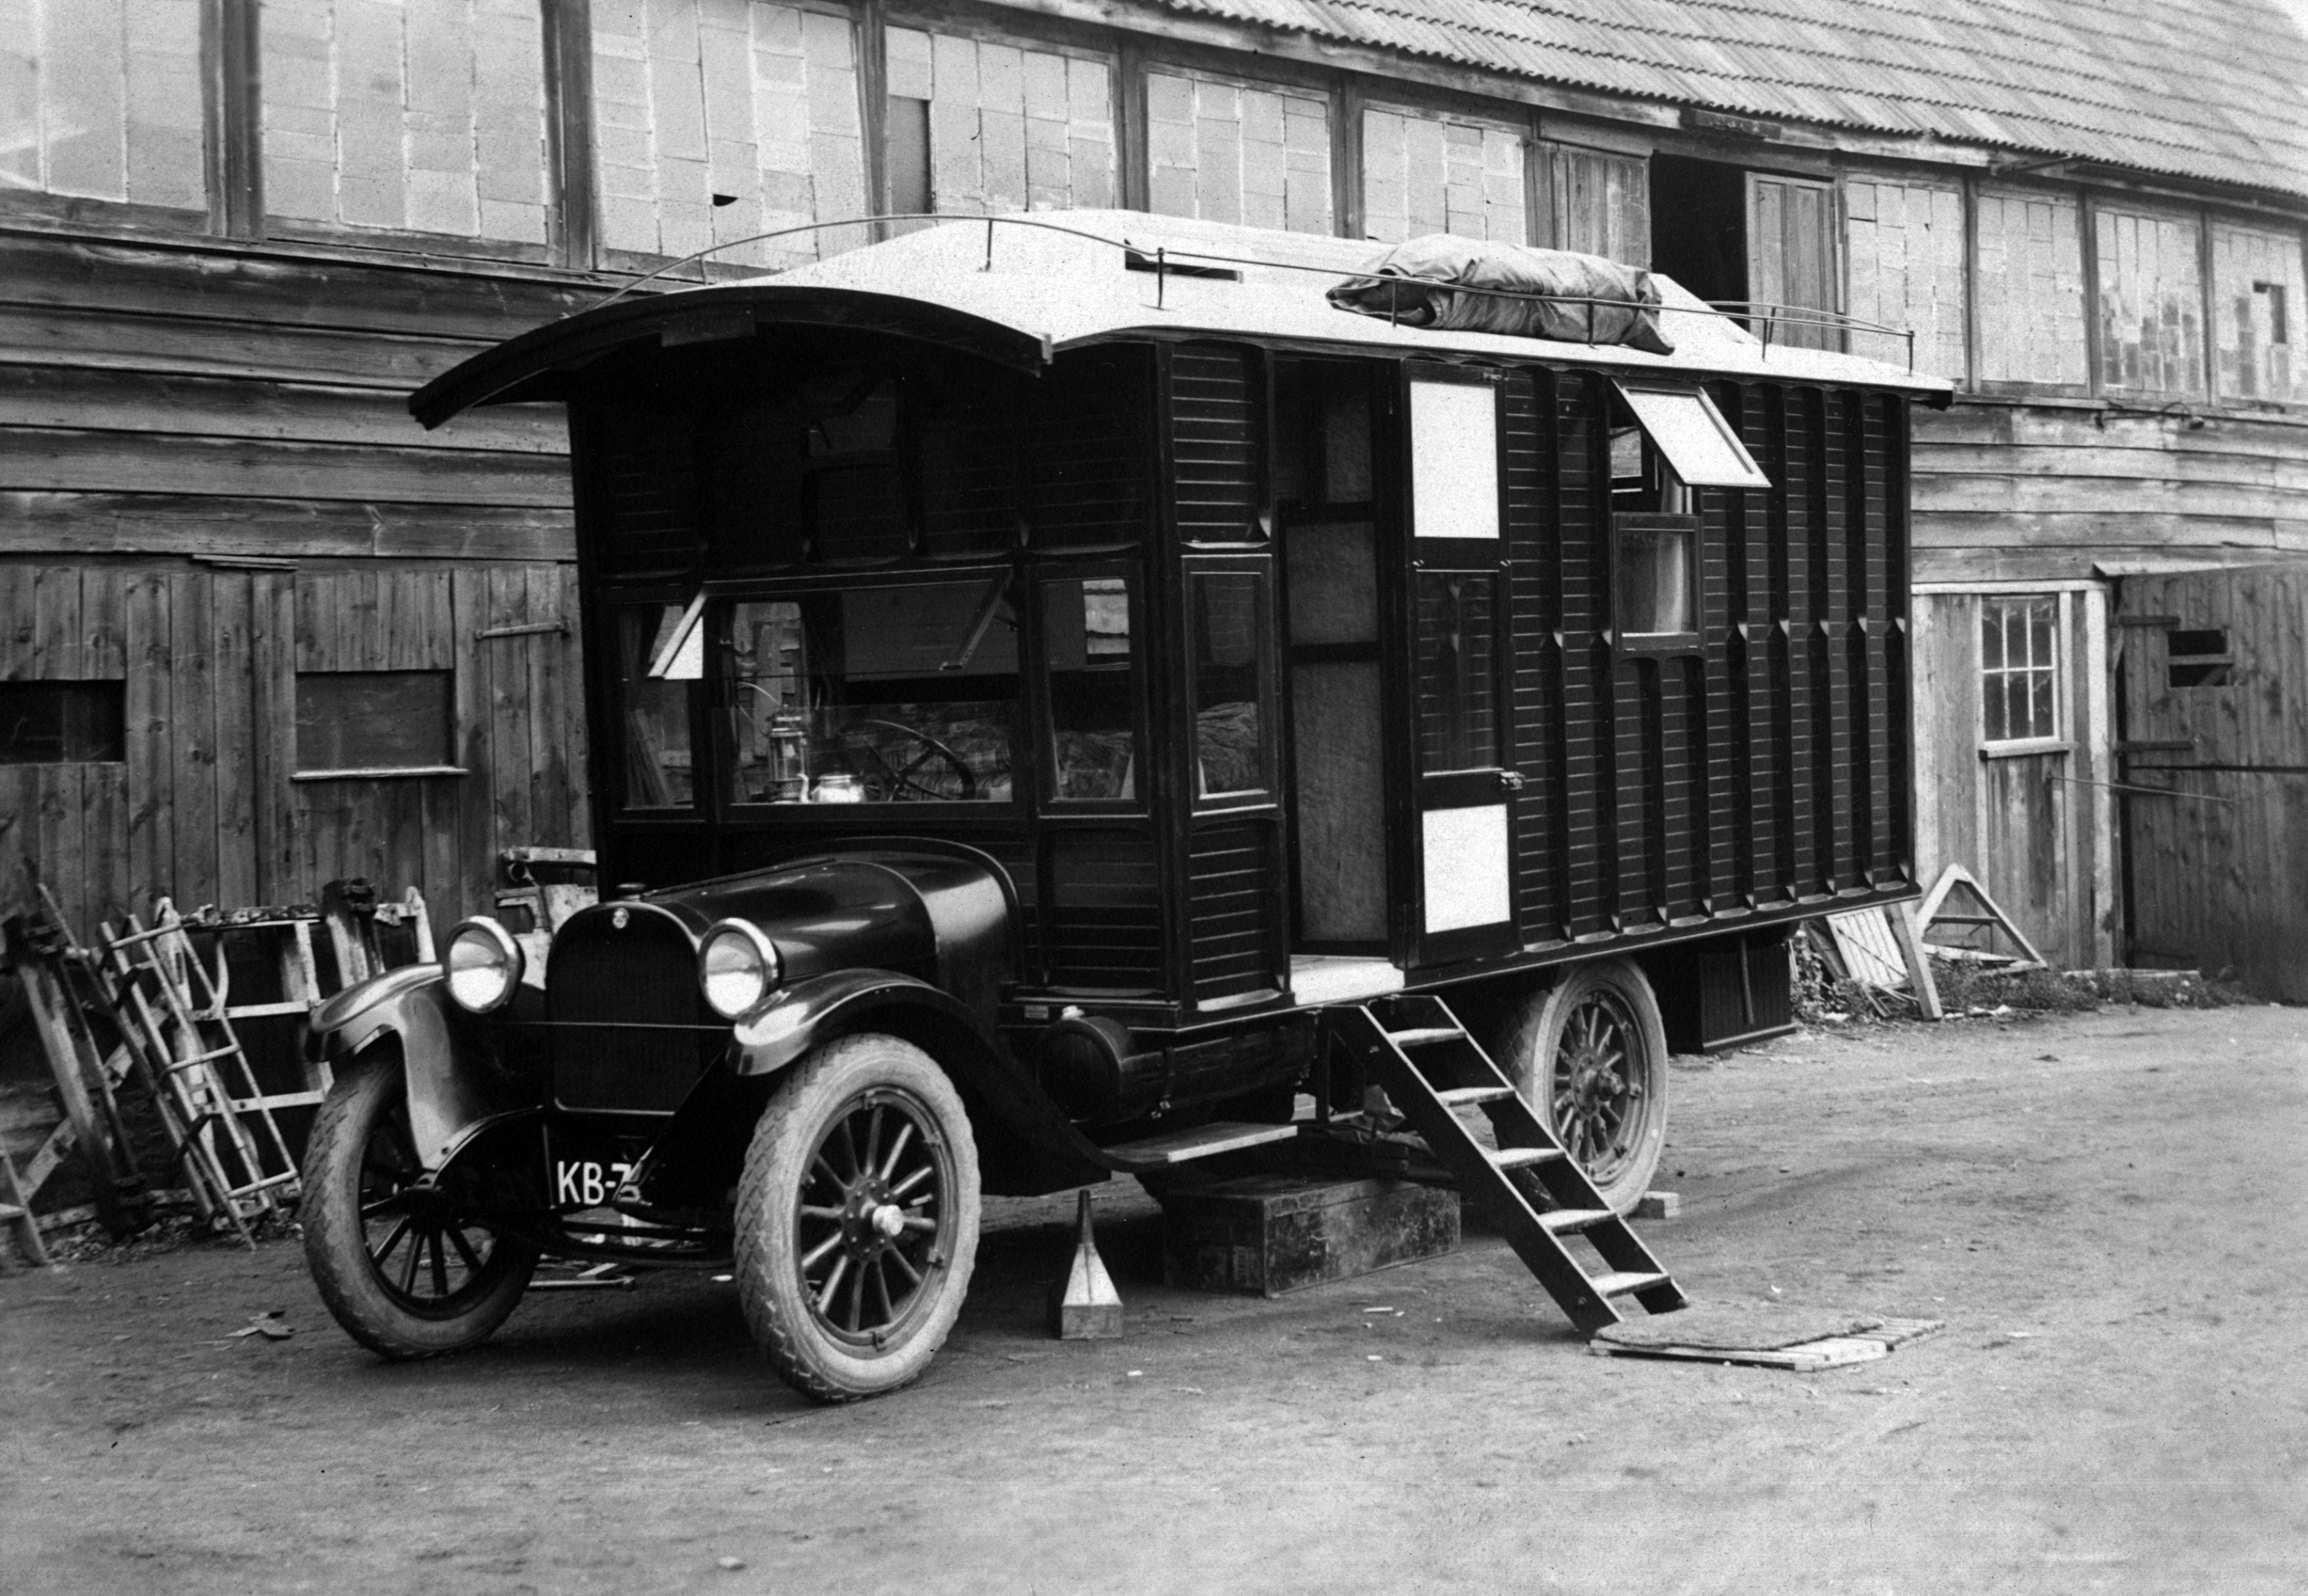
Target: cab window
(655,708)
(1089,649)
(887,693)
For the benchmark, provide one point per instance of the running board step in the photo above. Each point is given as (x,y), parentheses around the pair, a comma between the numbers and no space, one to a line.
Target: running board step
(1521,1177)
(1200,1141)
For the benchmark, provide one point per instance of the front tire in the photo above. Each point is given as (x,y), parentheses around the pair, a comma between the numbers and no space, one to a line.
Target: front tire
(1589,1057)
(857,1219)
(409,1271)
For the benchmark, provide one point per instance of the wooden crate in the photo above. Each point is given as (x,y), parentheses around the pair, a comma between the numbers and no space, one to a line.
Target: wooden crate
(1264,1235)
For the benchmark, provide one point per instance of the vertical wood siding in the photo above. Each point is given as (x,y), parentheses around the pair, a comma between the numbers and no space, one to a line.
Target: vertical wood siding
(417,115)
(695,98)
(1600,202)
(1238,152)
(2151,318)
(202,807)
(1791,257)
(1904,243)
(1010,129)
(103,99)
(2031,289)
(1427,173)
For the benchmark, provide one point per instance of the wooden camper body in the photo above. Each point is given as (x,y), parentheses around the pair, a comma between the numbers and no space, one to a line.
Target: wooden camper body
(1065,412)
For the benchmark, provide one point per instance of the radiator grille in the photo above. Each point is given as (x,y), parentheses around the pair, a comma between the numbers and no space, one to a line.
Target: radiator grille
(645,975)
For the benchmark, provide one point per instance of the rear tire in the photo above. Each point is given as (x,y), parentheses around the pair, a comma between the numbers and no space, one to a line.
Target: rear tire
(857,1219)
(1589,1055)
(408,1271)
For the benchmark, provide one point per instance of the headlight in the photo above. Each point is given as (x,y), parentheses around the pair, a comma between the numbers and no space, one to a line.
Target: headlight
(736,966)
(484,965)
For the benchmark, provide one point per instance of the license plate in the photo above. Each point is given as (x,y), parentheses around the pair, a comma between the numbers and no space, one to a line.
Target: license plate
(581,1183)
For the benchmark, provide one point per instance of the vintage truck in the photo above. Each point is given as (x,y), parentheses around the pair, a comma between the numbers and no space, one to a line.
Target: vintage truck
(1067,698)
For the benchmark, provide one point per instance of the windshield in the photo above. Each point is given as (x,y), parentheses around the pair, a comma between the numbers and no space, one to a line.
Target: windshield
(888,693)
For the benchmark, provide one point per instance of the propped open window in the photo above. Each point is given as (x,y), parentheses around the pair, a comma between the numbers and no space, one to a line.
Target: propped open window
(1697,443)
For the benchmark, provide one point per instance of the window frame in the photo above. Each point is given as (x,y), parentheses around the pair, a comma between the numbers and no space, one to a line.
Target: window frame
(2056,740)
(1041,711)
(1260,565)
(453,730)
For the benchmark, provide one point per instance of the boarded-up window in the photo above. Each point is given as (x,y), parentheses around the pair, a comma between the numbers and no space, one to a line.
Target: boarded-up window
(2151,289)
(2256,305)
(1791,258)
(755,104)
(1905,244)
(1430,175)
(411,115)
(1600,203)
(1237,152)
(1009,129)
(101,100)
(374,721)
(2031,289)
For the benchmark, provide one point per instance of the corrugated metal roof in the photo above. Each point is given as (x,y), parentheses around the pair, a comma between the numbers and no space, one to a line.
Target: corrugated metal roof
(2208,89)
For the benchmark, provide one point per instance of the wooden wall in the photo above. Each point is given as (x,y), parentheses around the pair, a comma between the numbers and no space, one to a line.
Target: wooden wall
(208,480)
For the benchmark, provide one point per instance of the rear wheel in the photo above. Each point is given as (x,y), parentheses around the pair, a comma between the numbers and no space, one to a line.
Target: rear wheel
(1589,1057)
(410,1270)
(857,1219)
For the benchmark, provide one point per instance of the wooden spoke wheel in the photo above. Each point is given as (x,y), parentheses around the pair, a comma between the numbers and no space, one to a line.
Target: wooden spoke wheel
(409,1268)
(1589,1055)
(857,1219)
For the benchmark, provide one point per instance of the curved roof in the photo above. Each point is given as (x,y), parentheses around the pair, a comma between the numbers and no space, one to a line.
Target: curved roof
(2208,89)
(1019,289)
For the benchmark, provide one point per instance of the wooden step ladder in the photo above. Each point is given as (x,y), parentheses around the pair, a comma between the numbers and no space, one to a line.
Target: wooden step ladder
(1414,1047)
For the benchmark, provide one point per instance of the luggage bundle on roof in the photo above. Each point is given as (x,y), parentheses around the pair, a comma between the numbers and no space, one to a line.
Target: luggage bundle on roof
(1453,284)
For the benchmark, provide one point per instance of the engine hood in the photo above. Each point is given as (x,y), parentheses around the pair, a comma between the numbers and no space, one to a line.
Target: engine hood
(946,917)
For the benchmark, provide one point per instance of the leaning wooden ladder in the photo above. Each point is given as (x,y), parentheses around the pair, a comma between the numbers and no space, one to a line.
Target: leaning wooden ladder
(176,1010)
(1414,1047)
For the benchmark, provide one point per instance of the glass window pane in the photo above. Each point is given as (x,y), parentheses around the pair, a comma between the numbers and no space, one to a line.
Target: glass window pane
(2040,617)
(1994,706)
(1229,663)
(1347,440)
(1654,582)
(1093,688)
(1458,709)
(62,723)
(875,695)
(1333,584)
(1696,440)
(2015,636)
(1454,460)
(657,773)
(2043,720)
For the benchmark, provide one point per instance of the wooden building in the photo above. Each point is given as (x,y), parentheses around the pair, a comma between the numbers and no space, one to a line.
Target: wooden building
(258,629)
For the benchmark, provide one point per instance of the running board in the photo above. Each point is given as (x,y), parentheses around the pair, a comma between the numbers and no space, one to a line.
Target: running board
(1201,1141)
(1416,1049)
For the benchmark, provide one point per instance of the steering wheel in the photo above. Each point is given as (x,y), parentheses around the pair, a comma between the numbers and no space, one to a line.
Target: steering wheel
(901,779)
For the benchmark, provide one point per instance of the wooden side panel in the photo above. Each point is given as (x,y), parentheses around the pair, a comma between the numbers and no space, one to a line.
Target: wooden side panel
(1428,174)
(2031,288)
(2216,877)
(2151,311)
(1791,255)
(1903,249)
(2258,290)
(1214,444)
(1232,931)
(1240,152)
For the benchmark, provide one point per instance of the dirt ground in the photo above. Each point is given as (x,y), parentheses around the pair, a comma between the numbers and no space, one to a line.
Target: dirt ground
(2109,1210)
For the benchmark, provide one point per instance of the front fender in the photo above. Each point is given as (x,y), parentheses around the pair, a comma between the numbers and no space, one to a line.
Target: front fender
(788,1024)
(439,1055)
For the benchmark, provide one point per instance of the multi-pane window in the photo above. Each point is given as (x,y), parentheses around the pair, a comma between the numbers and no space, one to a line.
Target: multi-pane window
(1239,152)
(2019,670)
(103,102)
(1904,242)
(2151,304)
(407,116)
(975,127)
(2030,278)
(715,122)
(1424,174)
(2256,297)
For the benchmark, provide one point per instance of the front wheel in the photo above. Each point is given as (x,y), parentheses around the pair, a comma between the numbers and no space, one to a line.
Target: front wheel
(857,1219)
(410,1270)
(1589,1057)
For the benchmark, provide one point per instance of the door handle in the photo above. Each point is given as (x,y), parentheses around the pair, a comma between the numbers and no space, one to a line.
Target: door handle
(1510,780)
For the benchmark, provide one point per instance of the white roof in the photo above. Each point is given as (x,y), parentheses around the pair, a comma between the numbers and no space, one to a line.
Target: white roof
(1060,278)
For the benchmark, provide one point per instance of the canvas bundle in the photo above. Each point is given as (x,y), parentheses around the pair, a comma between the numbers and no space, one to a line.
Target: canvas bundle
(1454,284)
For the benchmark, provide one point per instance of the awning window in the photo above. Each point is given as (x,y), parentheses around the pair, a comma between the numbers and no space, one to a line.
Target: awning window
(1693,436)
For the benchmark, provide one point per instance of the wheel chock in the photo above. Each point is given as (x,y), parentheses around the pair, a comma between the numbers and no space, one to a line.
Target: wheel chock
(1084,1305)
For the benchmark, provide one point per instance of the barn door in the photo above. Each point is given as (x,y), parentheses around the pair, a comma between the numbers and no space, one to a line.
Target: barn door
(1464,901)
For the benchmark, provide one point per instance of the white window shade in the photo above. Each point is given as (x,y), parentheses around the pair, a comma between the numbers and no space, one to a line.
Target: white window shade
(1693,436)
(1454,460)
